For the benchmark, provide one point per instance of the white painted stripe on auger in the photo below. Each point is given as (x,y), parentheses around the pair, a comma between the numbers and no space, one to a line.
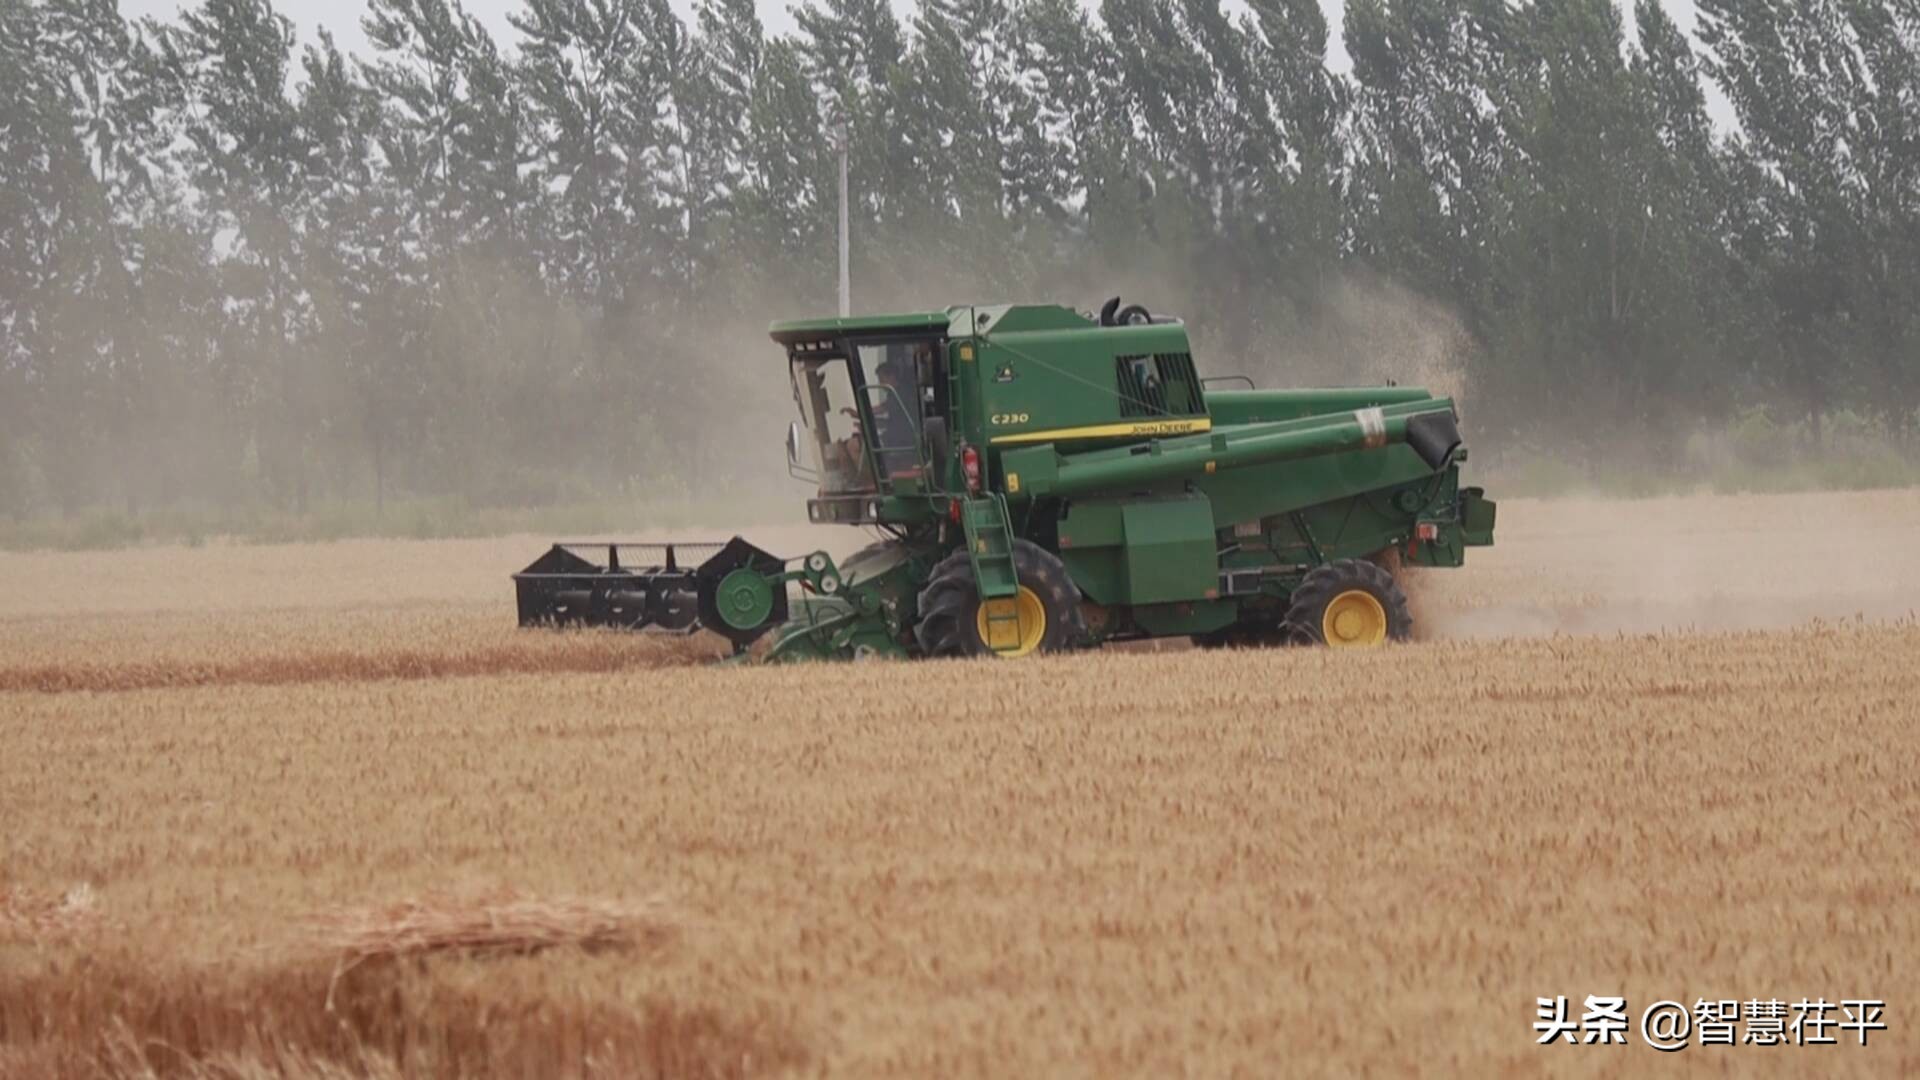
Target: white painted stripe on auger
(1373,426)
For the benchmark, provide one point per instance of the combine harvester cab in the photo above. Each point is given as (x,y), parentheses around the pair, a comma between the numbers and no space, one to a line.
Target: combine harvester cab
(1046,480)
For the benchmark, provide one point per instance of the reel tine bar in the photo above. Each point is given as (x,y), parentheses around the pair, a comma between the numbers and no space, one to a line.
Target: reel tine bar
(641,586)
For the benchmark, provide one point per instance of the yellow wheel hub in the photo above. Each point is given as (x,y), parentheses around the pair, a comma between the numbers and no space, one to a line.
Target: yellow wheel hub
(1355,617)
(1014,625)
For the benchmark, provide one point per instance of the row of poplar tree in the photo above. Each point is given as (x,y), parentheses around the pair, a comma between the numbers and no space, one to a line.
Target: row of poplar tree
(237,269)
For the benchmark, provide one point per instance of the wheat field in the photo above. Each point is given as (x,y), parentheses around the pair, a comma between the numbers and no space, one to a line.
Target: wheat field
(320,811)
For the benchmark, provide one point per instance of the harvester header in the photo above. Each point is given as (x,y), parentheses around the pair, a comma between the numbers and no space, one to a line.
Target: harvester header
(1050,479)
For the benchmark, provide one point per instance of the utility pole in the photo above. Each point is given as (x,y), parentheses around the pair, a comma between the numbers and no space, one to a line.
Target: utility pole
(837,136)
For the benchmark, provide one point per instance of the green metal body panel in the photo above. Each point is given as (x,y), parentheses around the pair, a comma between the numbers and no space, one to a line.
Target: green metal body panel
(1041,386)
(1249,494)
(1169,546)
(1176,508)
(1151,550)
(1093,544)
(1091,538)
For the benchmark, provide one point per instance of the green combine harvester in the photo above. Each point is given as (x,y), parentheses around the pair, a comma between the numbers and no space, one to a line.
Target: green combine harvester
(1048,480)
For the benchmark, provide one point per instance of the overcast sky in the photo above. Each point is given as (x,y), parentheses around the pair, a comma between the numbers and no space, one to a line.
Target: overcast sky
(342,17)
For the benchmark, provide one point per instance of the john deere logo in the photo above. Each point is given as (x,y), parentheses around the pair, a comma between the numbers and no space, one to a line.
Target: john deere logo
(1004,374)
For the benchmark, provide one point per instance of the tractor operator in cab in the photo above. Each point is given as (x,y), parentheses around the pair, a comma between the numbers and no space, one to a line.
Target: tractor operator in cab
(896,434)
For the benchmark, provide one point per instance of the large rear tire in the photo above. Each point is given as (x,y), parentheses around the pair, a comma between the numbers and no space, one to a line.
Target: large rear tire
(952,622)
(1348,603)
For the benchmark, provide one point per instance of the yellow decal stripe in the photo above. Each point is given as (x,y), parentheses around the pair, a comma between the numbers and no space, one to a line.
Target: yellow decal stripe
(1107,431)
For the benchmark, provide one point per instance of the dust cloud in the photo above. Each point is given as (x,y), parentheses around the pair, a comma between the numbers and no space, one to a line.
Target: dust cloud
(1681,564)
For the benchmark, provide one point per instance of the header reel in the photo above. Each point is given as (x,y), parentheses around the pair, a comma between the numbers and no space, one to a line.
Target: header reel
(737,590)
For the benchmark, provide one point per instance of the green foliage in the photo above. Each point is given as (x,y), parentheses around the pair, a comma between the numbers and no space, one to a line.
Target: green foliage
(250,284)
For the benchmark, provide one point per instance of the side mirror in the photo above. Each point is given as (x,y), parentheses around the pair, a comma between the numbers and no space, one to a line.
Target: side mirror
(796,446)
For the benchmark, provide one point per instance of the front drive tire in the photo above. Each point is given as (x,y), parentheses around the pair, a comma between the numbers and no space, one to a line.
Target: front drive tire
(952,623)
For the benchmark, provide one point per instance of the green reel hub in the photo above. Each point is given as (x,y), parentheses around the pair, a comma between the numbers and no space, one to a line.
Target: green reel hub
(745,599)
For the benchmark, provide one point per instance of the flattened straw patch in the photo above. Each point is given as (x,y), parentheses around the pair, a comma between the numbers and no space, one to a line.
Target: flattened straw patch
(25,916)
(495,924)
